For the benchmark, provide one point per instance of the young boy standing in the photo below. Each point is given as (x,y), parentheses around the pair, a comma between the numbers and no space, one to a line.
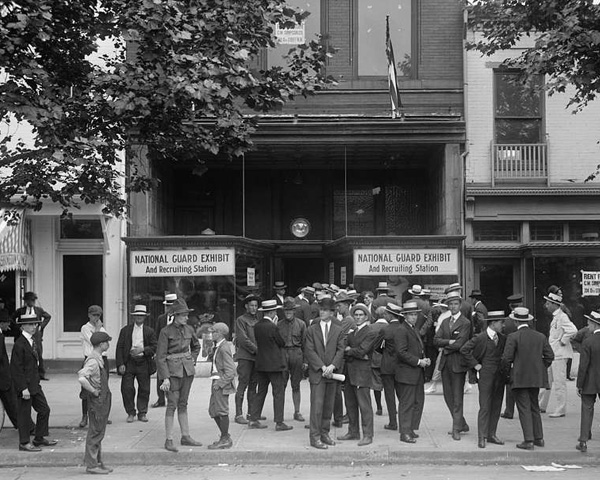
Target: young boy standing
(93,377)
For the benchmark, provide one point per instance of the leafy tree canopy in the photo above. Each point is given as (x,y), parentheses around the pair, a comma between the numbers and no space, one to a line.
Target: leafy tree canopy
(185,93)
(566,40)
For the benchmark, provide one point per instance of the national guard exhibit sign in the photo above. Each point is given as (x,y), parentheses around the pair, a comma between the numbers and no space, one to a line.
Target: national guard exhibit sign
(173,263)
(406,261)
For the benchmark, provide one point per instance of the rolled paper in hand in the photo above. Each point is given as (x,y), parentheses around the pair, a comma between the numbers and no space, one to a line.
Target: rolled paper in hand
(340,377)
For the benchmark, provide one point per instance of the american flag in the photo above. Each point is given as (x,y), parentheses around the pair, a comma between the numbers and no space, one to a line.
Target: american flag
(392,75)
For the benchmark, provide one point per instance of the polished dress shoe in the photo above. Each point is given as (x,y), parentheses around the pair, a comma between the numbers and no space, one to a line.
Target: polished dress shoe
(406,438)
(298,417)
(97,470)
(326,439)
(348,436)
(256,425)
(464,429)
(507,415)
(241,420)
(390,427)
(318,444)
(158,404)
(142,417)
(525,445)
(494,439)
(130,418)
(170,447)
(539,442)
(282,427)
(28,447)
(582,447)
(414,434)
(455,435)
(189,441)
(481,443)
(365,441)
(44,442)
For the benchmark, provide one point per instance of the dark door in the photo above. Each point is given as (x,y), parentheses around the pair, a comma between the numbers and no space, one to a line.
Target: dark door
(300,272)
(496,282)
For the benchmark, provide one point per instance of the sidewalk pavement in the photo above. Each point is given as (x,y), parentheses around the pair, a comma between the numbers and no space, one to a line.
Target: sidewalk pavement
(142,443)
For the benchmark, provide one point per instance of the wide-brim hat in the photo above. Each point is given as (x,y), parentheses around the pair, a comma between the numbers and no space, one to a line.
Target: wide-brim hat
(394,309)
(553,298)
(251,297)
(453,295)
(343,297)
(594,317)
(475,294)
(179,307)
(28,318)
(410,307)
(382,287)
(140,310)
(268,305)
(289,304)
(170,298)
(416,290)
(521,314)
(495,315)
(362,307)
(279,285)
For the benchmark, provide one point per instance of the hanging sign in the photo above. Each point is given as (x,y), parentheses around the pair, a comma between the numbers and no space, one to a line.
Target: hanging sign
(590,284)
(406,261)
(251,276)
(178,263)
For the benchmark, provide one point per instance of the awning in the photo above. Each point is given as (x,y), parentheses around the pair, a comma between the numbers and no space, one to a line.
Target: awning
(15,244)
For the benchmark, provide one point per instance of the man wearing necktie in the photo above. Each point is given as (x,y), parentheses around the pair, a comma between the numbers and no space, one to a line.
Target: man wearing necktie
(484,353)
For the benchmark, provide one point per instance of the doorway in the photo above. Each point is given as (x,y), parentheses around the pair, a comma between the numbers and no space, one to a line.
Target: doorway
(299,272)
(497,281)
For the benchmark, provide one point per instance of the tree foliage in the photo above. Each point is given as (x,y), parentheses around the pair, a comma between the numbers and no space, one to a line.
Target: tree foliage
(566,41)
(186,93)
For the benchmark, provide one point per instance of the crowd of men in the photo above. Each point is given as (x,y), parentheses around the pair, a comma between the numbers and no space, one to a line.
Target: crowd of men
(347,344)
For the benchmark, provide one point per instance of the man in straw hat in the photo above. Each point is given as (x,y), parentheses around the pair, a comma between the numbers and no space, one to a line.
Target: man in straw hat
(588,378)
(454,332)
(359,378)
(530,355)
(411,364)
(178,349)
(162,321)
(389,363)
(270,365)
(383,296)
(324,353)
(135,351)
(293,332)
(561,332)
(26,381)
(484,353)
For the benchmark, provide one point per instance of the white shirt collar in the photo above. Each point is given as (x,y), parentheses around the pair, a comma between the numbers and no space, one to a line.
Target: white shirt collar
(491,333)
(522,326)
(361,326)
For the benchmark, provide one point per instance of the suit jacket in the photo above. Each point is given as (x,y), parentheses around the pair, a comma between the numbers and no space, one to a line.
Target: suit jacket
(269,347)
(376,356)
(588,376)
(5,381)
(389,361)
(451,356)
(530,355)
(124,344)
(24,367)
(358,357)
(225,367)
(317,354)
(482,350)
(304,311)
(409,350)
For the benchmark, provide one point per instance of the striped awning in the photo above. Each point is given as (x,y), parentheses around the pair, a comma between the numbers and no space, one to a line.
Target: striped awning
(15,244)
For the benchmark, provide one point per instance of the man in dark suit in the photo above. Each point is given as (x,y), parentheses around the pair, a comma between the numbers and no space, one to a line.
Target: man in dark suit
(409,374)
(324,353)
(359,378)
(454,332)
(279,289)
(26,381)
(44,317)
(135,361)
(515,300)
(588,378)
(7,392)
(484,353)
(530,355)
(389,363)
(270,364)
(304,301)
(480,312)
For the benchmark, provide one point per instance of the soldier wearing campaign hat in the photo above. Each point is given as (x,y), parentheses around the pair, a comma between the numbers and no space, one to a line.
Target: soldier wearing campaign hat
(162,321)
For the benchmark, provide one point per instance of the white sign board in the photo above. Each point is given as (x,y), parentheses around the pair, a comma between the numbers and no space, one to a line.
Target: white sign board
(331,272)
(406,261)
(342,275)
(182,263)
(291,36)
(590,284)
(251,276)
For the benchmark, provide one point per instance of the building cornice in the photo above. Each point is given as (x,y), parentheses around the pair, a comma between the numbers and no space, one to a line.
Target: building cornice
(529,192)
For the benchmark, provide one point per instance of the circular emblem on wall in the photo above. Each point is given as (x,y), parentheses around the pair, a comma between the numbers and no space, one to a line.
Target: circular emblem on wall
(300,227)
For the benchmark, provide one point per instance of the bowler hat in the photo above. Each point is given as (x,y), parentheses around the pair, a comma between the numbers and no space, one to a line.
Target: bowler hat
(98,337)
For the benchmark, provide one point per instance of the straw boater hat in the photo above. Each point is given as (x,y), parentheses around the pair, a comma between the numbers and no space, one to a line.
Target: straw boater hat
(140,310)
(28,318)
(453,287)
(170,298)
(416,290)
(360,306)
(343,297)
(453,295)
(268,305)
(594,317)
(426,293)
(410,307)
(553,298)
(279,285)
(332,288)
(394,309)
(352,294)
(494,316)
(308,289)
(382,287)
(521,314)
(179,307)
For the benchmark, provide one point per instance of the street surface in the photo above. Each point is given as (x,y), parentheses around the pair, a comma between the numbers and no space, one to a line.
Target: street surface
(240,472)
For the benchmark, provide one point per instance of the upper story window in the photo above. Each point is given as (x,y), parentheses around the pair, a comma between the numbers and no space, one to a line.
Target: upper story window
(497,231)
(81,228)
(370,52)
(584,231)
(546,231)
(518,109)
